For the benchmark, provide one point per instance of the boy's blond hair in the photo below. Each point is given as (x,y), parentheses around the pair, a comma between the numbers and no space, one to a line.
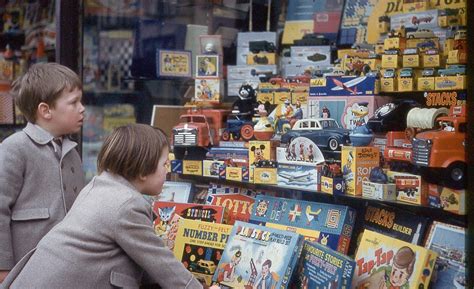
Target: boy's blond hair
(132,151)
(43,82)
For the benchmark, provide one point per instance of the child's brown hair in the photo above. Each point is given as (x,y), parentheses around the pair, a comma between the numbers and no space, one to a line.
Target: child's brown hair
(43,82)
(132,151)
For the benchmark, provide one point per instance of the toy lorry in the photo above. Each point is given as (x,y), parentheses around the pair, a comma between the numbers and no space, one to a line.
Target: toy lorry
(261,46)
(437,150)
(197,130)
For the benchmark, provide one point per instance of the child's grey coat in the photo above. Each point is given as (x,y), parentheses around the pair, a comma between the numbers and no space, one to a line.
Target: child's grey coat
(36,189)
(106,241)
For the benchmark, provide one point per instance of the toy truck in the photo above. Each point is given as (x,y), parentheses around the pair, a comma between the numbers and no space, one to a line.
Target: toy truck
(444,149)
(197,130)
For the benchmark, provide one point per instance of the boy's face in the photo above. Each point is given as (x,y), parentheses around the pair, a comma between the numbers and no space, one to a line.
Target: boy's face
(67,115)
(399,276)
(154,182)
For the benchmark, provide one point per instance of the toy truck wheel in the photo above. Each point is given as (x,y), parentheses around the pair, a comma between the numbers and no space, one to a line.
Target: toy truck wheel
(246,132)
(456,175)
(235,136)
(333,144)
(225,135)
(179,152)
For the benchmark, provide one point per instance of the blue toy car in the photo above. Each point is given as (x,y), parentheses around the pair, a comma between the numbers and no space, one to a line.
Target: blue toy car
(454,69)
(237,128)
(324,132)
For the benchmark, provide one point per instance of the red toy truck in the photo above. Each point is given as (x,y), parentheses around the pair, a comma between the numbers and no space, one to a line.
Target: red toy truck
(197,130)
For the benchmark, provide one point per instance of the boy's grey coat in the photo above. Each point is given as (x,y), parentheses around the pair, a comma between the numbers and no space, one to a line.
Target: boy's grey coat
(36,190)
(106,241)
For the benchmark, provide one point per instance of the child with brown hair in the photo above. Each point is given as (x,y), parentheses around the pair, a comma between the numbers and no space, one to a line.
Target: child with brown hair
(107,239)
(40,169)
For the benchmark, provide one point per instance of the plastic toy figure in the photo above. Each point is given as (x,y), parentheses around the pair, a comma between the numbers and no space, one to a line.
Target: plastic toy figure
(245,105)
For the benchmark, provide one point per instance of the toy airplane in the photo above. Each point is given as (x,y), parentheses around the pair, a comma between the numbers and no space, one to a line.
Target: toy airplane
(302,178)
(348,85)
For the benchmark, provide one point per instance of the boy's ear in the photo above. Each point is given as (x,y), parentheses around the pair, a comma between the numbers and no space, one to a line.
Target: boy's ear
(44,111)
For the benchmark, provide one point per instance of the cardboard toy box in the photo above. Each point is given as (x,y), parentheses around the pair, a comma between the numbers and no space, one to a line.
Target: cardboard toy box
(455,82)
(394,43)
(243,39)
(357,163)
(433,60)
(378,256)
(448,199)
(192,167)
(343,86)
(388,85)
(262,58)
(425,83)
(341,108)
(294,176)
(327,224)
(279,97)
(238,205)
(237,174)
(391,61)
(211,168)
(411,19)
(412,60)
(410,188)
(376,191)
(406,84)
(311,55)
(261,151)
(332,186)
(264,176)
(265,96)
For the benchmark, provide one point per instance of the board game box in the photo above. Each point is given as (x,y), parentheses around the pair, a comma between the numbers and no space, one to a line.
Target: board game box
(257,257)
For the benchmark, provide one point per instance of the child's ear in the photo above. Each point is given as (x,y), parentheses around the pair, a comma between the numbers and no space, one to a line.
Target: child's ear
(44,111)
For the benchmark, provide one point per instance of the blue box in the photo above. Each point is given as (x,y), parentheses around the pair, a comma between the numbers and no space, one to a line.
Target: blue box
(343,86)
(177,166)
(328,224)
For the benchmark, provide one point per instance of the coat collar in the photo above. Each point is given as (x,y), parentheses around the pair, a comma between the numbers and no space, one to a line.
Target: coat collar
(119,179)
(42,136)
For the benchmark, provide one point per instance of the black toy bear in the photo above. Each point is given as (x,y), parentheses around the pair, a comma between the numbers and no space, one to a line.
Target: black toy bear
(244,106)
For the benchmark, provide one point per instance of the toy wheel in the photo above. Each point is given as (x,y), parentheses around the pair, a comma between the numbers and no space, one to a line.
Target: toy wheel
(333,144)
(226,135)
(456,175)
(235,136)
(247,132)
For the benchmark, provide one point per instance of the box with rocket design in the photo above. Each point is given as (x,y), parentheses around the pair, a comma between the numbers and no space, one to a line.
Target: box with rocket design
(328,224)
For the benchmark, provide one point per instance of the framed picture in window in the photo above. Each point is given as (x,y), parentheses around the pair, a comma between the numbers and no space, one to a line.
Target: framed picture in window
(211,44)
(207,66)
(174,63)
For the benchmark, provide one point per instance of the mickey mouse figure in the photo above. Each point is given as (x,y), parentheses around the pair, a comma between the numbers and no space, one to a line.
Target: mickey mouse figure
(245,105)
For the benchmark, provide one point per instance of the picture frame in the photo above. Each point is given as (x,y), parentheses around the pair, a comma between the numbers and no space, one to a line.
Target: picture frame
(165,117)
(174,63)
(211,44)
(207,66)
(179,192)
(207,90)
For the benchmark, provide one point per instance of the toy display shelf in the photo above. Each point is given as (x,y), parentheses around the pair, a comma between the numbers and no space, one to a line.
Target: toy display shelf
(343,199)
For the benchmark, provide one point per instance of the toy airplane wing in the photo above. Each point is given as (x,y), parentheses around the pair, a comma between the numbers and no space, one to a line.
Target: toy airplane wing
(345,85)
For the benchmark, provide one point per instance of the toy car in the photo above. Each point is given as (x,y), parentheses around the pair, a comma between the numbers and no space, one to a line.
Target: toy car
(427,72)
(237,128)
(454,69)
(421,33)
(324,132)
(406,72)
(410,51)
(415,20)
(261,45)
(203,266)
(392,52)
(317,57)
(389,73)
(431,51)
(426,44)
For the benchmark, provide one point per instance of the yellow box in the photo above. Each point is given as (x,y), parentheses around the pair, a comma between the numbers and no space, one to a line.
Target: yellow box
(388,84)
(357,163)
(405,84)
(426,83)
(394,43)
(261,150)
(302,97)
(281,96)
(379,48)
(390,61)
(410,188)
(412,60)
(170,158)
(332,186)
(268,85)
(266,176)
(431,60)
(376,191)
(448,46)
(417,42)
(262,58)
(450,82)
(263,97)
(192,167)
(456,57)
(447,199)
(233,174)
(210,168)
